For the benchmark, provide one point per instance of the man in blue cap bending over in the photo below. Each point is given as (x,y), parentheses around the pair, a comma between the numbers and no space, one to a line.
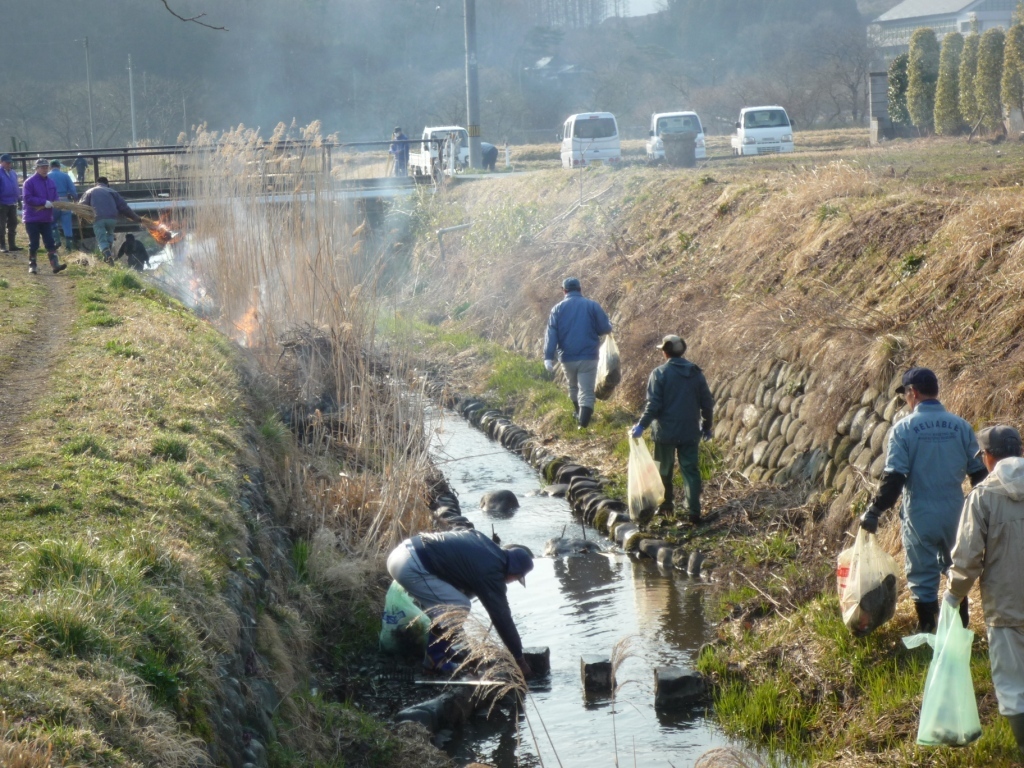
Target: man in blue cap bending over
(930,453)
(442,571)
(575,328)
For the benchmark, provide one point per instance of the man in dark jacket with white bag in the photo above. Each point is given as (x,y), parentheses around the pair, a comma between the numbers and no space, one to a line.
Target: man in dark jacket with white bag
(680,407)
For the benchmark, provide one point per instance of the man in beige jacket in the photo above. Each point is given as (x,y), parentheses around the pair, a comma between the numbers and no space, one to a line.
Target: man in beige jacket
(990,546)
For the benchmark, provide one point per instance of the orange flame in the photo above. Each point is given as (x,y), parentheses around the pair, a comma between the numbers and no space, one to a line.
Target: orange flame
(165,231)
(247,327)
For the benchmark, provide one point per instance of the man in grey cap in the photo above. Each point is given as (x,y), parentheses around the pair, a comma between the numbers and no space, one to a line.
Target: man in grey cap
(444,570)
(680,407)
(930,452)
(990,546)
(575,328)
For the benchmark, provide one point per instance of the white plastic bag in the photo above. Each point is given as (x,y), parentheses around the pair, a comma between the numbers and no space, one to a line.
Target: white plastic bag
(866,576)
(949,711)
(608,373)
(644,486)
(403,624)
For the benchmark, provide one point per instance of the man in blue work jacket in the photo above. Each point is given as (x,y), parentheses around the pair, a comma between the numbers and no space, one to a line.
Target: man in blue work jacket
(930,453)
(575,328)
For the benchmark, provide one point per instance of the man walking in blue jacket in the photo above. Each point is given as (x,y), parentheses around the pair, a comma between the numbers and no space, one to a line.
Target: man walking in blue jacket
(10,196)
(575,328)
(930,453)
(67,192)
(680,406)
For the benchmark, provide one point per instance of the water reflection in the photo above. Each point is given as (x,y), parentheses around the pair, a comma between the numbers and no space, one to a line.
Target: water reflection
(579,605)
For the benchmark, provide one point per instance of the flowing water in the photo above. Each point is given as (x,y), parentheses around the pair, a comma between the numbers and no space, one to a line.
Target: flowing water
(579,605)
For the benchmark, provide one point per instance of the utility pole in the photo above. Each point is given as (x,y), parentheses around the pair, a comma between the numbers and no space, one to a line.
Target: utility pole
(88,83)
(184,117)
(131,100)
(472,87)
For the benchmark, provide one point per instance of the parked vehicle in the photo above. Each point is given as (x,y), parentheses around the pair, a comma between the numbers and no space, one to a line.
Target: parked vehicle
(763,131)
(429,160)
(590,137)
(674,122)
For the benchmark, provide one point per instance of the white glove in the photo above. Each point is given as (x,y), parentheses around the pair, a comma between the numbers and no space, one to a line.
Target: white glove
(48,204)
(950,598)
(550,365)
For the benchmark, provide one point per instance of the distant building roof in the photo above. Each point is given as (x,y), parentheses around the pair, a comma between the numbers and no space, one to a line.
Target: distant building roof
(911,9)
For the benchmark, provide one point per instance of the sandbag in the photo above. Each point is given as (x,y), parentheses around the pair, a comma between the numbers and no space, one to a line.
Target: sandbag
(644,487)
(403,625)
(866,576)
(949,711)
(608,373)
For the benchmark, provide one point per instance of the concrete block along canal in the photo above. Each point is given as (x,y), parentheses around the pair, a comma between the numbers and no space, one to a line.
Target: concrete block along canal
(579,605)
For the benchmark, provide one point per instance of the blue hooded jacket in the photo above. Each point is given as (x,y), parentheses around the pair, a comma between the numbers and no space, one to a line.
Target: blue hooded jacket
(575,327)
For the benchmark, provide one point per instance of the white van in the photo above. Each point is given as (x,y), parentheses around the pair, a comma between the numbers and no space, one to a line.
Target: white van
(762,131)
(590,137)
(674,122)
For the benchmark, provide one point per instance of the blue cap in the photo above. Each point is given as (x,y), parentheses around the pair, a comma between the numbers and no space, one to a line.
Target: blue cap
(520,562)
(571,284)
(5,158)
(921,379)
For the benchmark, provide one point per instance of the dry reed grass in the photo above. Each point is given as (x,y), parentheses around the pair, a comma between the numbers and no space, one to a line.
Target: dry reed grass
(729,757)
(85,212)
(296,280)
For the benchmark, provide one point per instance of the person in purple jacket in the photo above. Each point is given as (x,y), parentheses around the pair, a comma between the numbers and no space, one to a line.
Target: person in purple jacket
(10,196)
(39,194)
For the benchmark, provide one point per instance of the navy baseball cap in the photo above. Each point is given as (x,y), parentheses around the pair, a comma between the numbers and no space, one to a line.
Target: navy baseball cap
(921,379)
(5,158)
(520,562)
(571,284)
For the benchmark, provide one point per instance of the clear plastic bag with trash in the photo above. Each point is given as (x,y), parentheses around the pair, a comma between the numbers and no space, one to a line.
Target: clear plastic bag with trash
(866,576)
(644,488)
(949,711)
(404,627)
(608,373)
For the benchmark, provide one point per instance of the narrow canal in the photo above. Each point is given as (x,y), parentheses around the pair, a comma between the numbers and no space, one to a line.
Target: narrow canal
(579,605)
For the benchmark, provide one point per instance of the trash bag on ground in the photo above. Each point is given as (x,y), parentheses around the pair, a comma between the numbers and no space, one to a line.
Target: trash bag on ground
(644,486)
(404,627)
(608,373)
(866,576)
(949,711)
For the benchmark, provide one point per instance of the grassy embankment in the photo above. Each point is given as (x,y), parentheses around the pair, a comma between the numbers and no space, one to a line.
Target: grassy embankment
(855,261)
(152,469)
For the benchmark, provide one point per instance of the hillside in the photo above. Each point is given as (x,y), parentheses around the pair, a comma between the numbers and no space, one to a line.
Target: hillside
(803,285)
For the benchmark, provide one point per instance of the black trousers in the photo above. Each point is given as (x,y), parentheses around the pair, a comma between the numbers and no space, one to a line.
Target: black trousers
(8,225)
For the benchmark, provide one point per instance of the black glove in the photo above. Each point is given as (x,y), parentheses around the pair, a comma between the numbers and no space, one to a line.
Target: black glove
(869,520)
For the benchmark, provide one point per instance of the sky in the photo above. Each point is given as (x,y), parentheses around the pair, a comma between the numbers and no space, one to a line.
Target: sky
(641,7)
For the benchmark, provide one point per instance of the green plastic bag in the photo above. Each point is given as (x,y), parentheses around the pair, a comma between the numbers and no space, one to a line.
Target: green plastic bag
(404,626)
(949,711)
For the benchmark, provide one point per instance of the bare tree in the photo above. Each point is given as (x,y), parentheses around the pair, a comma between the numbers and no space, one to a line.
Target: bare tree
(197,19)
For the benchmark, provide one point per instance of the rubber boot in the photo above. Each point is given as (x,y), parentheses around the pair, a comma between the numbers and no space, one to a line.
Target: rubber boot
(1017,726)
(585,414)
(965,615)
(439,657)
(927,616)
(57,266)
(32,269)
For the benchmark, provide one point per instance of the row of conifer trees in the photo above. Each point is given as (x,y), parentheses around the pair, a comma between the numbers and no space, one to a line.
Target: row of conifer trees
(966,84)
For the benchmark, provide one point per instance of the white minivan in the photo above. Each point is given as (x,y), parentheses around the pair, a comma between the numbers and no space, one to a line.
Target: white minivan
(674,122)
(763,131)
(590,137)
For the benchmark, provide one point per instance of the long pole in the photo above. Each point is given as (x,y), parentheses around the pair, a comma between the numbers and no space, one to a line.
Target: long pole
(131,100)
(88,83)
(472,87)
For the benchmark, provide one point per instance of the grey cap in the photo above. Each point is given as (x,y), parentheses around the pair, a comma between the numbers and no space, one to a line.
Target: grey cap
(571,284)
(672,344)
(520,562)
(1001,440)
(41,163)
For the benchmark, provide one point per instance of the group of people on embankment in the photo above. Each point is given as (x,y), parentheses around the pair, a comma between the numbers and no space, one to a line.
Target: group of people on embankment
(46,224)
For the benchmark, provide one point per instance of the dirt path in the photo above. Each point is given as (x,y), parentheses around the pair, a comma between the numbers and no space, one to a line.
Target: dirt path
(33,358)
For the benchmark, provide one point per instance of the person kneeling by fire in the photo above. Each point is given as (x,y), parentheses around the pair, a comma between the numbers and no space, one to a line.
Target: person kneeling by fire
(442,571)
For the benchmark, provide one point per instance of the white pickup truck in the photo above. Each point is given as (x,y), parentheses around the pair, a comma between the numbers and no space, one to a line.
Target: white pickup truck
(674,122)
(429,161)
(762,131)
